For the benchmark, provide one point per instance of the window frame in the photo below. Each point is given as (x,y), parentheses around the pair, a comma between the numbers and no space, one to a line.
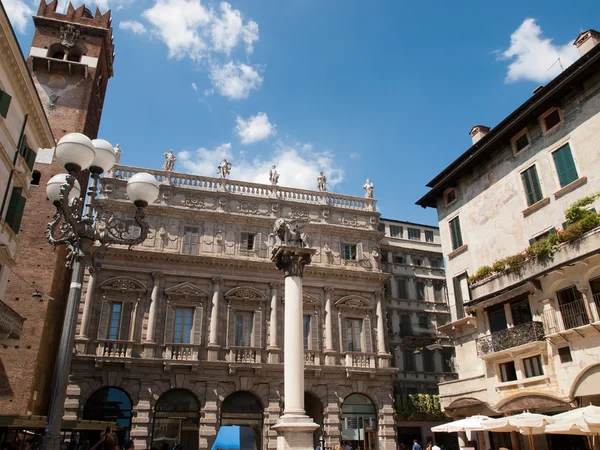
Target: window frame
(516,137)
(455,219)
(522,172)
(563,355)
(239,339)
(400,230)
(351,321)
(345,246)
(542,119)
(191,244)
(184,332)
(533,365)
(446,195)
(556,149)
(503,373)
(432,234)
(414,238)
(246,236)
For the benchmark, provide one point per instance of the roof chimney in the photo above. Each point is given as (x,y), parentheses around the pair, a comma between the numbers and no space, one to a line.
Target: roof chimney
(477,132)
(587,41)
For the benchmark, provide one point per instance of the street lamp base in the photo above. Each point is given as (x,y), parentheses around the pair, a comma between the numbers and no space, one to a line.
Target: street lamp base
(295,432)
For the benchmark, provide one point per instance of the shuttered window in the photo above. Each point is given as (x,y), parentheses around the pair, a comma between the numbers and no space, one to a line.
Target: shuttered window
(350,252)
(565,165)
(243,328)
(353,335)
(4,103)
(184,320)
(119,320)
(247,241)
(531,183)
(533,366)
(16,206)
(455,233)
(190,240)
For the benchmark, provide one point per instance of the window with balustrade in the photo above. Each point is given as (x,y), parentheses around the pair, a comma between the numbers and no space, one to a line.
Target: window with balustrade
(245,321)
(355,324)
(354,335)
(184,319)
(572,309)
(119,321)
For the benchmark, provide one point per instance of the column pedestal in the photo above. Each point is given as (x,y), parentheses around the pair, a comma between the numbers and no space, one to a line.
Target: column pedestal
(295,429)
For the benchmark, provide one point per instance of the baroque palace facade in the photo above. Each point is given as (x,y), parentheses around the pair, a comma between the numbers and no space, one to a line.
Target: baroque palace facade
(189,324)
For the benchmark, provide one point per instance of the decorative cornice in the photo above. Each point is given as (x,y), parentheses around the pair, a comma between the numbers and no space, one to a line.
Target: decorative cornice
(245,294)
(124,285)
(186,290)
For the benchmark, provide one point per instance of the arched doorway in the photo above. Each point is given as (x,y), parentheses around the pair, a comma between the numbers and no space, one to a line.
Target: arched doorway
(245,409)
(110,404)
(176,420)
(359,427)
(314,410)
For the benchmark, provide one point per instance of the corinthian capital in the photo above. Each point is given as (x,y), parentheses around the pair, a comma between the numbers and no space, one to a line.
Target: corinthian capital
(157,275)
(292,260)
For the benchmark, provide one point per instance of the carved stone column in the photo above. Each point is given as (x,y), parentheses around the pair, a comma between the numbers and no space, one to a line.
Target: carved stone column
(150,341)
(587,302)
(329,350)
(273,348)
(295,428)
(382,354)
(87,306)
(213,338)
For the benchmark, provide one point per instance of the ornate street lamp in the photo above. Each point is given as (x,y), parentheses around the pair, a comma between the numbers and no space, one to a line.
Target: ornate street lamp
(75,227)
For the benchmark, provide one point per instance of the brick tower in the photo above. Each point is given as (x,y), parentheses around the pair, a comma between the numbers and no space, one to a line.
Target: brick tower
(71,61)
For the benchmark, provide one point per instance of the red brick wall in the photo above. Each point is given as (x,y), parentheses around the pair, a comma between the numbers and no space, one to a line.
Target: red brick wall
(28,366)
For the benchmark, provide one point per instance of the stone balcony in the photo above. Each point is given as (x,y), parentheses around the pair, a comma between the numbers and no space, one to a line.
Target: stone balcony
(248,189)
(586,245)
(498,343)
(11,323)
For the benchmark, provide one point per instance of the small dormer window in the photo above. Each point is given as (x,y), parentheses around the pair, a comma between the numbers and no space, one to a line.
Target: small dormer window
(520,141)
(551,119)
(450,196)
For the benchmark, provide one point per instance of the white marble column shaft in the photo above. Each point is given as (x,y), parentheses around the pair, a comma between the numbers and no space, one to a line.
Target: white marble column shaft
(213,338)
(152,314)
(328,320)
(87,307)
(293,369)
(274,313)
(380,324)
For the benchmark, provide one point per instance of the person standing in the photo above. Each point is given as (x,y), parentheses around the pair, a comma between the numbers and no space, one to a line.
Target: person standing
(416,445)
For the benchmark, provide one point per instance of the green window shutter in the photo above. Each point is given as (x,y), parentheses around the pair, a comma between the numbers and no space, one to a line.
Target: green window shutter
(565,165)
(4,103)
(531,183)
(14,213)
(30,159)
(455,233)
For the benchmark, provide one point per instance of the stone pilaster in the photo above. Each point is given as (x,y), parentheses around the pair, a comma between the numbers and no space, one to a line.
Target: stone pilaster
(81,341)
(210,419)
(141,422)
(382,354)
(213,338)
(329,350)
(273,348)
(155,297)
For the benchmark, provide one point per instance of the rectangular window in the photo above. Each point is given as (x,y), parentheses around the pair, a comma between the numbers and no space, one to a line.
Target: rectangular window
(14,212)
(428,236)
(409,360)
(414,234)
(533,366)
(508,372)
(395,231)
(350,252)
(4,103)
(423,322)
(573,311)
(435,263)
(438,291)
(455,233)
(402,288)
(458,283)
(497,318)
(247,241)
(190,240)
(405,325)
(353,335)
(565,355)
(521,312)
(399,259)
(115,320)
(417,261)
(184,319)
(448,360)
(243,328)
(428,362)
(552,120)
(565,165)
(531,183)
(521,142)
(305,330)
(420,290)
(381,227)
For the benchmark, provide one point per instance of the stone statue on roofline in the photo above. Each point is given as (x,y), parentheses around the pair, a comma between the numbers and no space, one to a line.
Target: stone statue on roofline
(224,168)
(368,187)
(170,159)
(273,176)
(322,182)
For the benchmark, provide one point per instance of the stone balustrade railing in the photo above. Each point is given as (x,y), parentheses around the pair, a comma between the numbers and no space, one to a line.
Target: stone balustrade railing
(182,352)
(360,360)
(114,349)
(245,355)
(312,358)
(249,189)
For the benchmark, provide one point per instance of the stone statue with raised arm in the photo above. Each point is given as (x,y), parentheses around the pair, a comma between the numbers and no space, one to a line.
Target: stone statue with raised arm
(368,187)
(322,182)
(169,160)
(289,233)
(273,176)
(224,169)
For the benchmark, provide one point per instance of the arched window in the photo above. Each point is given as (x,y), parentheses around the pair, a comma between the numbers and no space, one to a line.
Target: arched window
(358,420)
(109,404)
(176,420)
(57,51)
(74,54)
(244,409)
(35,178)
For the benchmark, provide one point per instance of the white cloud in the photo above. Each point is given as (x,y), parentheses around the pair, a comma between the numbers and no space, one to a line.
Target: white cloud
(132,25)
(255,128)
(180,24)
(194,87)
(531,55)
(298,168)
(228,30)
(19,13)
(235,80)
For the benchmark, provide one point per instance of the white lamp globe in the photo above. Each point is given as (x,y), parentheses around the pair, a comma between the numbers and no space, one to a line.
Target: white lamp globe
(75,151)
(105,156)
(142,189)
(53,188)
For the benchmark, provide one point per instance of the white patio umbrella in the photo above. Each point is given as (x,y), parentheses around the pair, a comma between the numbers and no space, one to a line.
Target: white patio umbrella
(472,423)
(525,423)
(581,421)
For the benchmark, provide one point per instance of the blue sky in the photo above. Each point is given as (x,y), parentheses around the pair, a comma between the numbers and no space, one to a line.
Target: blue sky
(382,89)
